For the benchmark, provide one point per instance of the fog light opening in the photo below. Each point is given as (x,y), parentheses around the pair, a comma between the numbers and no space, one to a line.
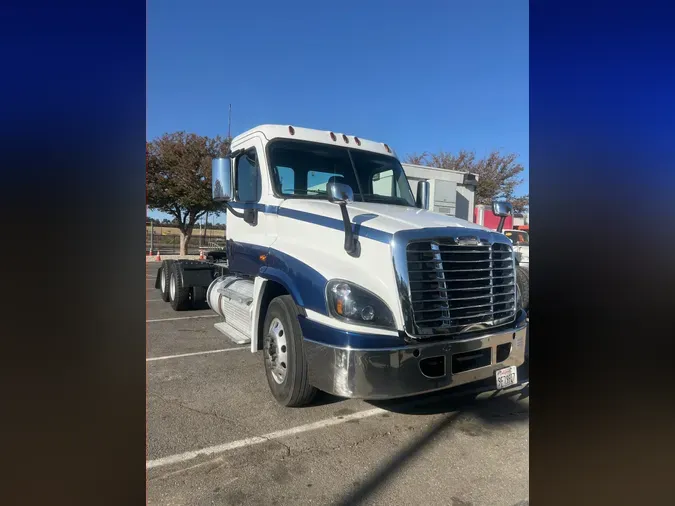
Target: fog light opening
(433,367)
(503,352)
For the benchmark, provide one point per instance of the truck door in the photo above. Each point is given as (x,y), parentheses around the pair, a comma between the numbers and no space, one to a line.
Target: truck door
(251,236)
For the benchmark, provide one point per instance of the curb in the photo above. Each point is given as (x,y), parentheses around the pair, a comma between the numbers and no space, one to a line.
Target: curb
(149,259)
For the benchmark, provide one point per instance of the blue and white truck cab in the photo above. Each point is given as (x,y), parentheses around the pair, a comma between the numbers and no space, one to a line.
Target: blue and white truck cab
(344,280)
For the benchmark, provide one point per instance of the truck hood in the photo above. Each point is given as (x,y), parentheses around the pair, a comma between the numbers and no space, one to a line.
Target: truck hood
(384,217)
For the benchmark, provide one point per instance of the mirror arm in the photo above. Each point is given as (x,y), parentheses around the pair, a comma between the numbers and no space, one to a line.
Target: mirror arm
(350,242)
(500,227)
(231,209)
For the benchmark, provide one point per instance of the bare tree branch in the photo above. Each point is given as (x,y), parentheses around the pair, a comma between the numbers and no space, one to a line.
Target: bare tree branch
(498,174)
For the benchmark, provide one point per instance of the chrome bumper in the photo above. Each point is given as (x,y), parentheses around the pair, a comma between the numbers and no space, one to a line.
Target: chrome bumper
(387,373)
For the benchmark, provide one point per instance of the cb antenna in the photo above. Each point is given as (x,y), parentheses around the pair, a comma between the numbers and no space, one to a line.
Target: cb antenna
(229,122)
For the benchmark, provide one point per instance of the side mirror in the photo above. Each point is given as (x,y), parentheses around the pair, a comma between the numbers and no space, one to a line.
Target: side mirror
(340,193)
(502,209)
(423,194)
(221,177)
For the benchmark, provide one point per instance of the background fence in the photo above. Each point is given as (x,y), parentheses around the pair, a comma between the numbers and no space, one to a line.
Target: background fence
(166,239)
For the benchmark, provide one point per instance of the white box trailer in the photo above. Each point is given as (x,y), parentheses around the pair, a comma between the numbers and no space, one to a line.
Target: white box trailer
(451,192)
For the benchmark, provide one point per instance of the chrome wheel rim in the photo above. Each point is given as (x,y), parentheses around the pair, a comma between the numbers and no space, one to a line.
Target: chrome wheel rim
(276,349)
(172,287)
(162,281)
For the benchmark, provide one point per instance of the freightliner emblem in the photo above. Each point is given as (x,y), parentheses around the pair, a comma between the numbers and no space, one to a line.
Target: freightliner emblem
(468,241)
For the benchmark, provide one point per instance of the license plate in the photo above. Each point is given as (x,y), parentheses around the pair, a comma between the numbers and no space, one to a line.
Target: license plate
(506,377)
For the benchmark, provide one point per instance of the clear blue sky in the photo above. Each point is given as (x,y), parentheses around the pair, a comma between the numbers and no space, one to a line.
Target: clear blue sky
(418,75)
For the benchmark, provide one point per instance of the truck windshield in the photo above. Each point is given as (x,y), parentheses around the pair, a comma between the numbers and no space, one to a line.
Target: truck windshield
(303,169)
(518,237)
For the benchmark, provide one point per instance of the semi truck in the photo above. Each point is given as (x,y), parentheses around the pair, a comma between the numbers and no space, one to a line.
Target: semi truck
(347,285)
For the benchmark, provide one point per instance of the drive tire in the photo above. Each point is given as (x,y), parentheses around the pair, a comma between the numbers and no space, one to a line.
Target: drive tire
(294,390)
(523,280)
(165,273)
(179,296)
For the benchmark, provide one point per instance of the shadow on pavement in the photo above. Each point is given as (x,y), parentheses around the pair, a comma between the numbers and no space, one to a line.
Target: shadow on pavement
(488,406)
(462,397)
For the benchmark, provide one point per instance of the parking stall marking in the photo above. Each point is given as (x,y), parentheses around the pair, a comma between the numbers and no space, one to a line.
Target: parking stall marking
(167,357)
(211,450)
(182,318)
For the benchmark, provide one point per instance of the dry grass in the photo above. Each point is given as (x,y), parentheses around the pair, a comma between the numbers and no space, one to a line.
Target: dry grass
(161,230)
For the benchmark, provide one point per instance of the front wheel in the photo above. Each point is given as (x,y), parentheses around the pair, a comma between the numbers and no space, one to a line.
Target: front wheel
(523,280)
(283,354)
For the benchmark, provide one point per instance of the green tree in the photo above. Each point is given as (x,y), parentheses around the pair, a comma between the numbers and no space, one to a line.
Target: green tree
(498,174)
(178,178)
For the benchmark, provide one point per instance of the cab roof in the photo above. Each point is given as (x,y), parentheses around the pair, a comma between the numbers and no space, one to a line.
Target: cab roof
(309,134)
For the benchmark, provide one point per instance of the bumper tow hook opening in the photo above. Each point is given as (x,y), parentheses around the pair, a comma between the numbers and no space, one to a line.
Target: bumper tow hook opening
(433,367)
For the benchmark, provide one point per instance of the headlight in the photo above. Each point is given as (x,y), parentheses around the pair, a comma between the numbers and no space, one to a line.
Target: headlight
(353,304)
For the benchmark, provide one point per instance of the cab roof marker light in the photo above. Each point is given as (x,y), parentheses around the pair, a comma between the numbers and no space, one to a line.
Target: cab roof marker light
(291,130)
(332,136)
(387,148)
(357,141)
(345,138)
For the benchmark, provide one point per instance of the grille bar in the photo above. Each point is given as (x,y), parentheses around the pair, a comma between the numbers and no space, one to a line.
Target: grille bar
(454,287)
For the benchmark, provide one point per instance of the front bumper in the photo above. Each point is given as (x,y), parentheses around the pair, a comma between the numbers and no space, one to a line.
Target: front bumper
(387,373)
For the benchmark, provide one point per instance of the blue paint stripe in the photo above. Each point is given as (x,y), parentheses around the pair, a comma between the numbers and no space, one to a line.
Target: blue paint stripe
(305,283)
(317,219)
(335,224)
(324,334)
(263,208)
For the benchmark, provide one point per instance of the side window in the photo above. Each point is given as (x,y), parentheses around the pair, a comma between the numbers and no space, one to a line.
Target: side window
(383,184)
(317,181)
(286,180)
(249,187)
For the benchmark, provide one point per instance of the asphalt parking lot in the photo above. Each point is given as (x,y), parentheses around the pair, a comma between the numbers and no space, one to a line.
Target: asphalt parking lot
(216,436)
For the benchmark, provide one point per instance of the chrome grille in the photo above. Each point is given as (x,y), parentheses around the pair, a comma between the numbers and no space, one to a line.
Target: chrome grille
(458,287)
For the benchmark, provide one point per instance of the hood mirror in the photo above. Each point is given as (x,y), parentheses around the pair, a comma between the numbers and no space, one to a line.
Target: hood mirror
(342,194)
(501,209)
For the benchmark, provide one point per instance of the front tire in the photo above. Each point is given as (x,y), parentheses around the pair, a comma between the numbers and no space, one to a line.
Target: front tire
(179,296)
(523,280)
(283,355)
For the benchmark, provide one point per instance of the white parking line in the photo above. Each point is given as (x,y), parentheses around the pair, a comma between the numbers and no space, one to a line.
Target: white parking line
(167,357)
(182,318)
(154,300)
(211,450)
